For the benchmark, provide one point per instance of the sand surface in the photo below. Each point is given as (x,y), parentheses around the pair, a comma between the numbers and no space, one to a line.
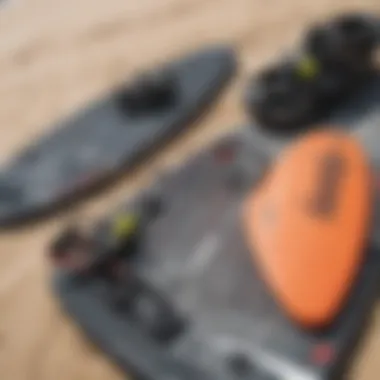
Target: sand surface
(55,56)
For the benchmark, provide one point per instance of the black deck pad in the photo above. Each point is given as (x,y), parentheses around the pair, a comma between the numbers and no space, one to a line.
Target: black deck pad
(100,142)
(194,257)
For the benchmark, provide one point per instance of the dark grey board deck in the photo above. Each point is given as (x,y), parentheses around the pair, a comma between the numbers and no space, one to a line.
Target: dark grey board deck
(101,142)
(194,256)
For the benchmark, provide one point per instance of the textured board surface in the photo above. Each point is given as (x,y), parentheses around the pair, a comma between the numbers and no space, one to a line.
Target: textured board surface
(167,261)
(194,254)
(97,143)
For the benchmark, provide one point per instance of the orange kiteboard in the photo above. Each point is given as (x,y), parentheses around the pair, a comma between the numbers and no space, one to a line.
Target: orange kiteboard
(308,222)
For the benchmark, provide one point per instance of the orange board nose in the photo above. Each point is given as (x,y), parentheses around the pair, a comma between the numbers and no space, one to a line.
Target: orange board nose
(308,222)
